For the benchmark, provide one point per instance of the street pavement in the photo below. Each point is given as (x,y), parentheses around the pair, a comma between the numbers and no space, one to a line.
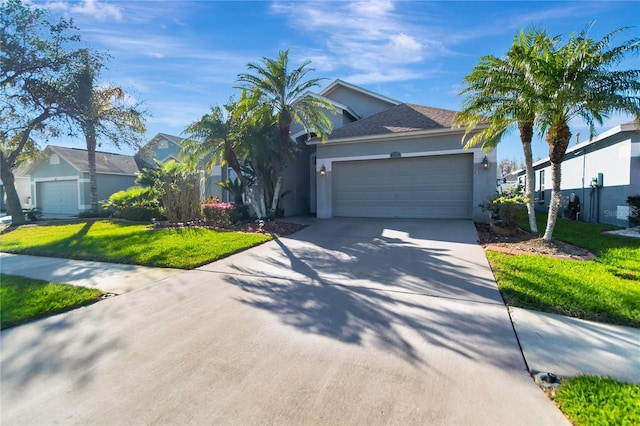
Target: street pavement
(350,321)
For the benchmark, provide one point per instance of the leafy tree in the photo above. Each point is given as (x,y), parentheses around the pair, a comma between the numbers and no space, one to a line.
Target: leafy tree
(36,78)
(580,79)
(502,95)
(102,113)
(273,85)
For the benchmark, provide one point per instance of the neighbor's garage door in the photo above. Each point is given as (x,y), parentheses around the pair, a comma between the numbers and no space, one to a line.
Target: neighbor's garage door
(58,197)
(416,187)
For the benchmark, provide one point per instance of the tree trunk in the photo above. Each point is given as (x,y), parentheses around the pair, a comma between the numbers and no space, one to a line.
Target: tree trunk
(14,208)
(91,154)
(554,203)
(558,139)
(526,135)
(232,159)
(276,195)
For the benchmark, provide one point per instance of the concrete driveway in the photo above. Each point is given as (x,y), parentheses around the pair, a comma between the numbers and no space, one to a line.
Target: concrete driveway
(346,322)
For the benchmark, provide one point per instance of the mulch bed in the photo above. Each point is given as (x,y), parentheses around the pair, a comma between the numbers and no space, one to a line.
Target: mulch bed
(524,242)
(272,227)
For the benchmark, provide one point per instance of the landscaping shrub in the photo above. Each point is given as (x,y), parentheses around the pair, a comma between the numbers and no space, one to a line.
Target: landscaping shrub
(135,203)
(634,210)
(505,209)
(219,215)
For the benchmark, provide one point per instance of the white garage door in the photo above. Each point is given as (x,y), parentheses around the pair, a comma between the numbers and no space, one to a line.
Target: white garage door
(58,197)
(416,187)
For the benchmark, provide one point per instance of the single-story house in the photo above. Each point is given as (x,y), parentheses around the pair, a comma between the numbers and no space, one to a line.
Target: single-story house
(385,158)
(602,172)
(60,179)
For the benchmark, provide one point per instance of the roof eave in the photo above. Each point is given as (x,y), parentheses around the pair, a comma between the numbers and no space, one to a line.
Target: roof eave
(389,136)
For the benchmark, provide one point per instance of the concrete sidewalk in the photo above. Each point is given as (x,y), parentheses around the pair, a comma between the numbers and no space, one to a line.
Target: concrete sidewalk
(108,277)
(569,346)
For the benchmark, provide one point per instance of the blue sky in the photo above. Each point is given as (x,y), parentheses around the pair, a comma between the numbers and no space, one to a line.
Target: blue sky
(179,57)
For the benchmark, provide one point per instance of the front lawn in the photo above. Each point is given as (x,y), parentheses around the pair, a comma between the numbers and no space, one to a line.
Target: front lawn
(26,299)
(589,400)
(606,289)
(125,242)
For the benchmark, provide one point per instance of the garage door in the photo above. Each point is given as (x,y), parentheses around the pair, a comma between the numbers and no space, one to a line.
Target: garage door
(416,187)
(58,197)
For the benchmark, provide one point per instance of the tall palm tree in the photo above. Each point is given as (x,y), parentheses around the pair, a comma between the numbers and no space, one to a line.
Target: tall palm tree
(502,95)
(282,90)
(579,80)
(102,112)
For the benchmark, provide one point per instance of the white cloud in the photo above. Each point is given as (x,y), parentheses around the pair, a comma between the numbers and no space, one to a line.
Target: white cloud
(99,10)
(369,37)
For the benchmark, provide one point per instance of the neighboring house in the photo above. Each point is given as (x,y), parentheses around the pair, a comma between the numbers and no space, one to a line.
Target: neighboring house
(601,172)
(23,187)
(164,147)
(385,158)
(60,179)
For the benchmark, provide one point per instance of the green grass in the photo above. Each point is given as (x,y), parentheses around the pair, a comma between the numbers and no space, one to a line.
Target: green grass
(606,289)
(589,400)
(587,290)
(26,299)
(123,242)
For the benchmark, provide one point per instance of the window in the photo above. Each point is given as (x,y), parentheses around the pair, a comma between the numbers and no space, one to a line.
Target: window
(541,191)
(54,159)
(162,144)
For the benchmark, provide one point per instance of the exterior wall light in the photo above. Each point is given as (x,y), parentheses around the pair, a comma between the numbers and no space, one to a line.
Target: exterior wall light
(485,163)
(323,170)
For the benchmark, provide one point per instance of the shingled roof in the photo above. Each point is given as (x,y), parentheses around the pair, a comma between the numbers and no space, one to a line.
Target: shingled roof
(398,119)
(105,162)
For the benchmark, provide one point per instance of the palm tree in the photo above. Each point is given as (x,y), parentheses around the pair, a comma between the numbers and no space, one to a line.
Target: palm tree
(271,83)
(101,112)
(233,137)
(503,95)
(578,80)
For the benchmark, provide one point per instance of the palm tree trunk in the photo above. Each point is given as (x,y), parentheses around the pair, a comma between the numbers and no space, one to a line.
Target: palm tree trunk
(558,139)
(91,155)
(232,159)
(526,135)
(276,195)
(554,203)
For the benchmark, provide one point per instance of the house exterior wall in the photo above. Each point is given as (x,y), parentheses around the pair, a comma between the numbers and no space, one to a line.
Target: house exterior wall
(617,157)
(484,182)
(296,184)
(107,185)
(362,104)
(23,188)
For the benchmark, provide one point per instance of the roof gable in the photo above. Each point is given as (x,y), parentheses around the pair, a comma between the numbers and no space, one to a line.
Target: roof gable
(326,92)
(399,119)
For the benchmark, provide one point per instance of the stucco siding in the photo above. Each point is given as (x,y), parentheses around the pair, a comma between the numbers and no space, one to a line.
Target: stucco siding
(109,184)
(423,144)
(45,170)
(359,103)
(296,184)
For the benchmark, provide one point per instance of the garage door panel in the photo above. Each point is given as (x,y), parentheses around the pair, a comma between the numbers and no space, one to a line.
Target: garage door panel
(418,187)
(58,197)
